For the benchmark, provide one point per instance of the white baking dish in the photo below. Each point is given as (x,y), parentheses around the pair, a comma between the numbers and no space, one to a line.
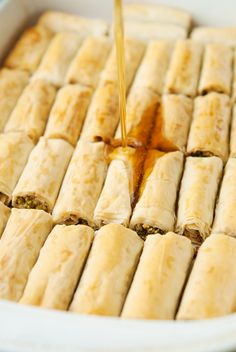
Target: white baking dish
(33,329)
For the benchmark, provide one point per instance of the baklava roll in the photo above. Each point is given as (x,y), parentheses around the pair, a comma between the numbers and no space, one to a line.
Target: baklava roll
(113,257)
(89,62)
(15,148)
(55,62)
(216,75)
(172,123)
(234,78)
(22,239)
(140,114)
(4,215)
(12,84)
(211,288)
(116,199)
(53,279)
(225,220)
(82,185)
(155,209)
(222,35)
(153,68)
(197,197)
(184,70)
(233,134)
(57,21)
(68,113)
(29,49)
(41,179)
(209,132)
(32,109)
(157,284)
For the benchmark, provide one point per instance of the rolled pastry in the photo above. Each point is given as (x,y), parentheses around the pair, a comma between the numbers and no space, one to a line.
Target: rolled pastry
(225,220)
(95,296)
(32,109)
(54,277)
(152,70)
(172,123)
(209,132)
(12,83)
(4,215)
(57,21)
(234,79)
(29,49)
(155,209)
(140,114)
(217,69)
(160,277)
(211,288)
(233,134)
(116,199)
(15,148)
(56,60)
(20,245)
(68,113)
(224,35)
(82,185)
(89,62)
(41,179)
(197,197)
(183,74)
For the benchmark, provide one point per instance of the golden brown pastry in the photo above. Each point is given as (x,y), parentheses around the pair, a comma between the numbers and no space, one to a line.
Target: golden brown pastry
(68,113)
(29,49)
(15,148)
(233,133)
(183,74)
(160,277)
(234,78)
(41,179)
(56,60)
(197,197)
(108,272)
(222,35)
(172,123)
(209,132)
(89,62)
(54,277)
(12,83)
(211,288)
(22,239)
(32,109)
(4,215)
(155,209)
(82,185)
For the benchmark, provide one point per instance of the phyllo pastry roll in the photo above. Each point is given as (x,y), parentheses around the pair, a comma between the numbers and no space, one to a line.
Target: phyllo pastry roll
(159,278)
(53,279)
(152,70)
(12,83)
(106,296)
(172,123)
(155,209)
(223,35)
(209,132)
(233,134)
(225,220)
(68,113)
(82,185)
(32,109)
(141,109)
(116,200)
(41,179)
(89,62)
(197,197)
(29,49)
(15,148)
(55,62)
(234,79)
(22,239)
(57,21)
(211,288)
(4,215)
(217,69)
(183,73)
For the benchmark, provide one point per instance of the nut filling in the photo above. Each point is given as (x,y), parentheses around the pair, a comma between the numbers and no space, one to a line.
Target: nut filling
(30,202)
(144,230)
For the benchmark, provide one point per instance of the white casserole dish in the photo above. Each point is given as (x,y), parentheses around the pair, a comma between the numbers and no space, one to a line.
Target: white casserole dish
(33,329)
